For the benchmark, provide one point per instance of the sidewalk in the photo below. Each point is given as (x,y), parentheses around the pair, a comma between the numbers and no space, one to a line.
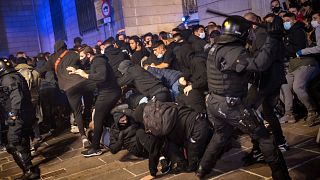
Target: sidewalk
(60,158)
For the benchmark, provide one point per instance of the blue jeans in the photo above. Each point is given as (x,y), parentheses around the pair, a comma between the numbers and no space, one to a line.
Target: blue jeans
(175,90)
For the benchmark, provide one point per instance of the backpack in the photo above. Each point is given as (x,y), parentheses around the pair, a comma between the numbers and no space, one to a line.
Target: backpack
(32,81)
(159,118)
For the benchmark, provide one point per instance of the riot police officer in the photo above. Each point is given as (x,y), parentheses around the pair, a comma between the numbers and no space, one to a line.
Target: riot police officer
(228,66)
(19,115)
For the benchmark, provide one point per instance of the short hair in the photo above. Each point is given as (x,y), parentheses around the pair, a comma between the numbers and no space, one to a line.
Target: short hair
(290,15)
(158,44)
(315,12)
(254,17)
(146,35)
(136,39)
(212,23)
(269,16)
(109,41)
(294,6)
(164,35)
(274,1)
(77,40)
(197,27)
(176,29)
(87,50)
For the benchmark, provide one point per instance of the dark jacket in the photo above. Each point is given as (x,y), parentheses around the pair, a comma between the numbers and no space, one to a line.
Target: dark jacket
(18,97)
(193,67)
(181,132)
(271,79)
(102,74)
(197,44)
(228,66)
(142,80)
(65,80)
(115,57)
(123,136)
(295,40)
(168,58)
(167,76)
(138,55)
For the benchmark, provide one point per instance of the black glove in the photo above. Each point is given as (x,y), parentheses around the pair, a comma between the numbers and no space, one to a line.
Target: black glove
(276,29)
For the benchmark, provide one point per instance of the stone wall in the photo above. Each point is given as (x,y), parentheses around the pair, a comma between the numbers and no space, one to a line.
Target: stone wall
(18,30)
(142,16)
(234,7)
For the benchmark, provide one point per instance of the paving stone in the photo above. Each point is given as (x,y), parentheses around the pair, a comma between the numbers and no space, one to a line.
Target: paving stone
(294,139)
(296,156)
(9,165)
(261,169)
(309,170)
(10,172)
(185,176)
(230,163)
(238,175)
(139,168)
(310,145)
(114,157)
(77,164)
(116,175)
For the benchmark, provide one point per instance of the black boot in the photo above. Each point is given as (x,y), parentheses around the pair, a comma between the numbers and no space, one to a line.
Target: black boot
(279,168)
(201,172)
(33,173)
(255,156)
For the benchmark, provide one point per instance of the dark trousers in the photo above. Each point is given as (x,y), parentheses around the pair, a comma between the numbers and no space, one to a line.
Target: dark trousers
(105,101)
(48,103)
(74,96)
(268,102)
(225,117)
(19,141)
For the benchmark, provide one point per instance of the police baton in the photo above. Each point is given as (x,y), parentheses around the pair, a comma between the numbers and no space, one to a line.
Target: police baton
(228,16)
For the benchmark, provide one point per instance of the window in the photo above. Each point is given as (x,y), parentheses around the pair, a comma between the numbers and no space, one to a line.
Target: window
(57,20)
(86,16)
(190,7)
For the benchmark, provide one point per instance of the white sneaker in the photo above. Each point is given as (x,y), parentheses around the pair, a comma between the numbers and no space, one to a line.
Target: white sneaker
(85,142)
(74,129)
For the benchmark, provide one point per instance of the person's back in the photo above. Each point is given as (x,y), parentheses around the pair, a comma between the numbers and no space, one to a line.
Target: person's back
(115,57)
(143,81)
(32,78)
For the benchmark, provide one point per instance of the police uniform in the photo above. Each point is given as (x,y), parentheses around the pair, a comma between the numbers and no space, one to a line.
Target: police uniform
(19,115)
(228,68)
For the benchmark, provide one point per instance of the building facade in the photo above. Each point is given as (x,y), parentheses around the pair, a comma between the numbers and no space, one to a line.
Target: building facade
(33,26)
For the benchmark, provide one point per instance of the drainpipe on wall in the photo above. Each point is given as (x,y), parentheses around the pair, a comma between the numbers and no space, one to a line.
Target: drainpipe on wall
(37,27)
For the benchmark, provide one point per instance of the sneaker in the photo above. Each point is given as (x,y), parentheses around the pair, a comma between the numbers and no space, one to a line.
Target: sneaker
(91,152)
(33,173)
(85,142)
(165,165)
(74,129)
(2,148)
(287,119)
(255,156)
(284,147)
(312,119)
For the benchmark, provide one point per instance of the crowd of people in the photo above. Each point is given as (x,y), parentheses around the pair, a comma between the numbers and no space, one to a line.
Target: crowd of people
(174,98)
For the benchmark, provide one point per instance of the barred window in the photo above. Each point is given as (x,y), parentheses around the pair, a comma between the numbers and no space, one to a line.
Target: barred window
(57,20)
(86,16)
(189,7)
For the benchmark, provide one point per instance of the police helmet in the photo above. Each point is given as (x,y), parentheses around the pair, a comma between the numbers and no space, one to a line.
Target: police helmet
(236,26)
(5,66)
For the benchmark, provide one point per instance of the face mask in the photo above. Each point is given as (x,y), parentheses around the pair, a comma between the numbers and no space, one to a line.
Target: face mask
(287,25)
(159,56)
(202,35)
(314,24)
(276,9)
